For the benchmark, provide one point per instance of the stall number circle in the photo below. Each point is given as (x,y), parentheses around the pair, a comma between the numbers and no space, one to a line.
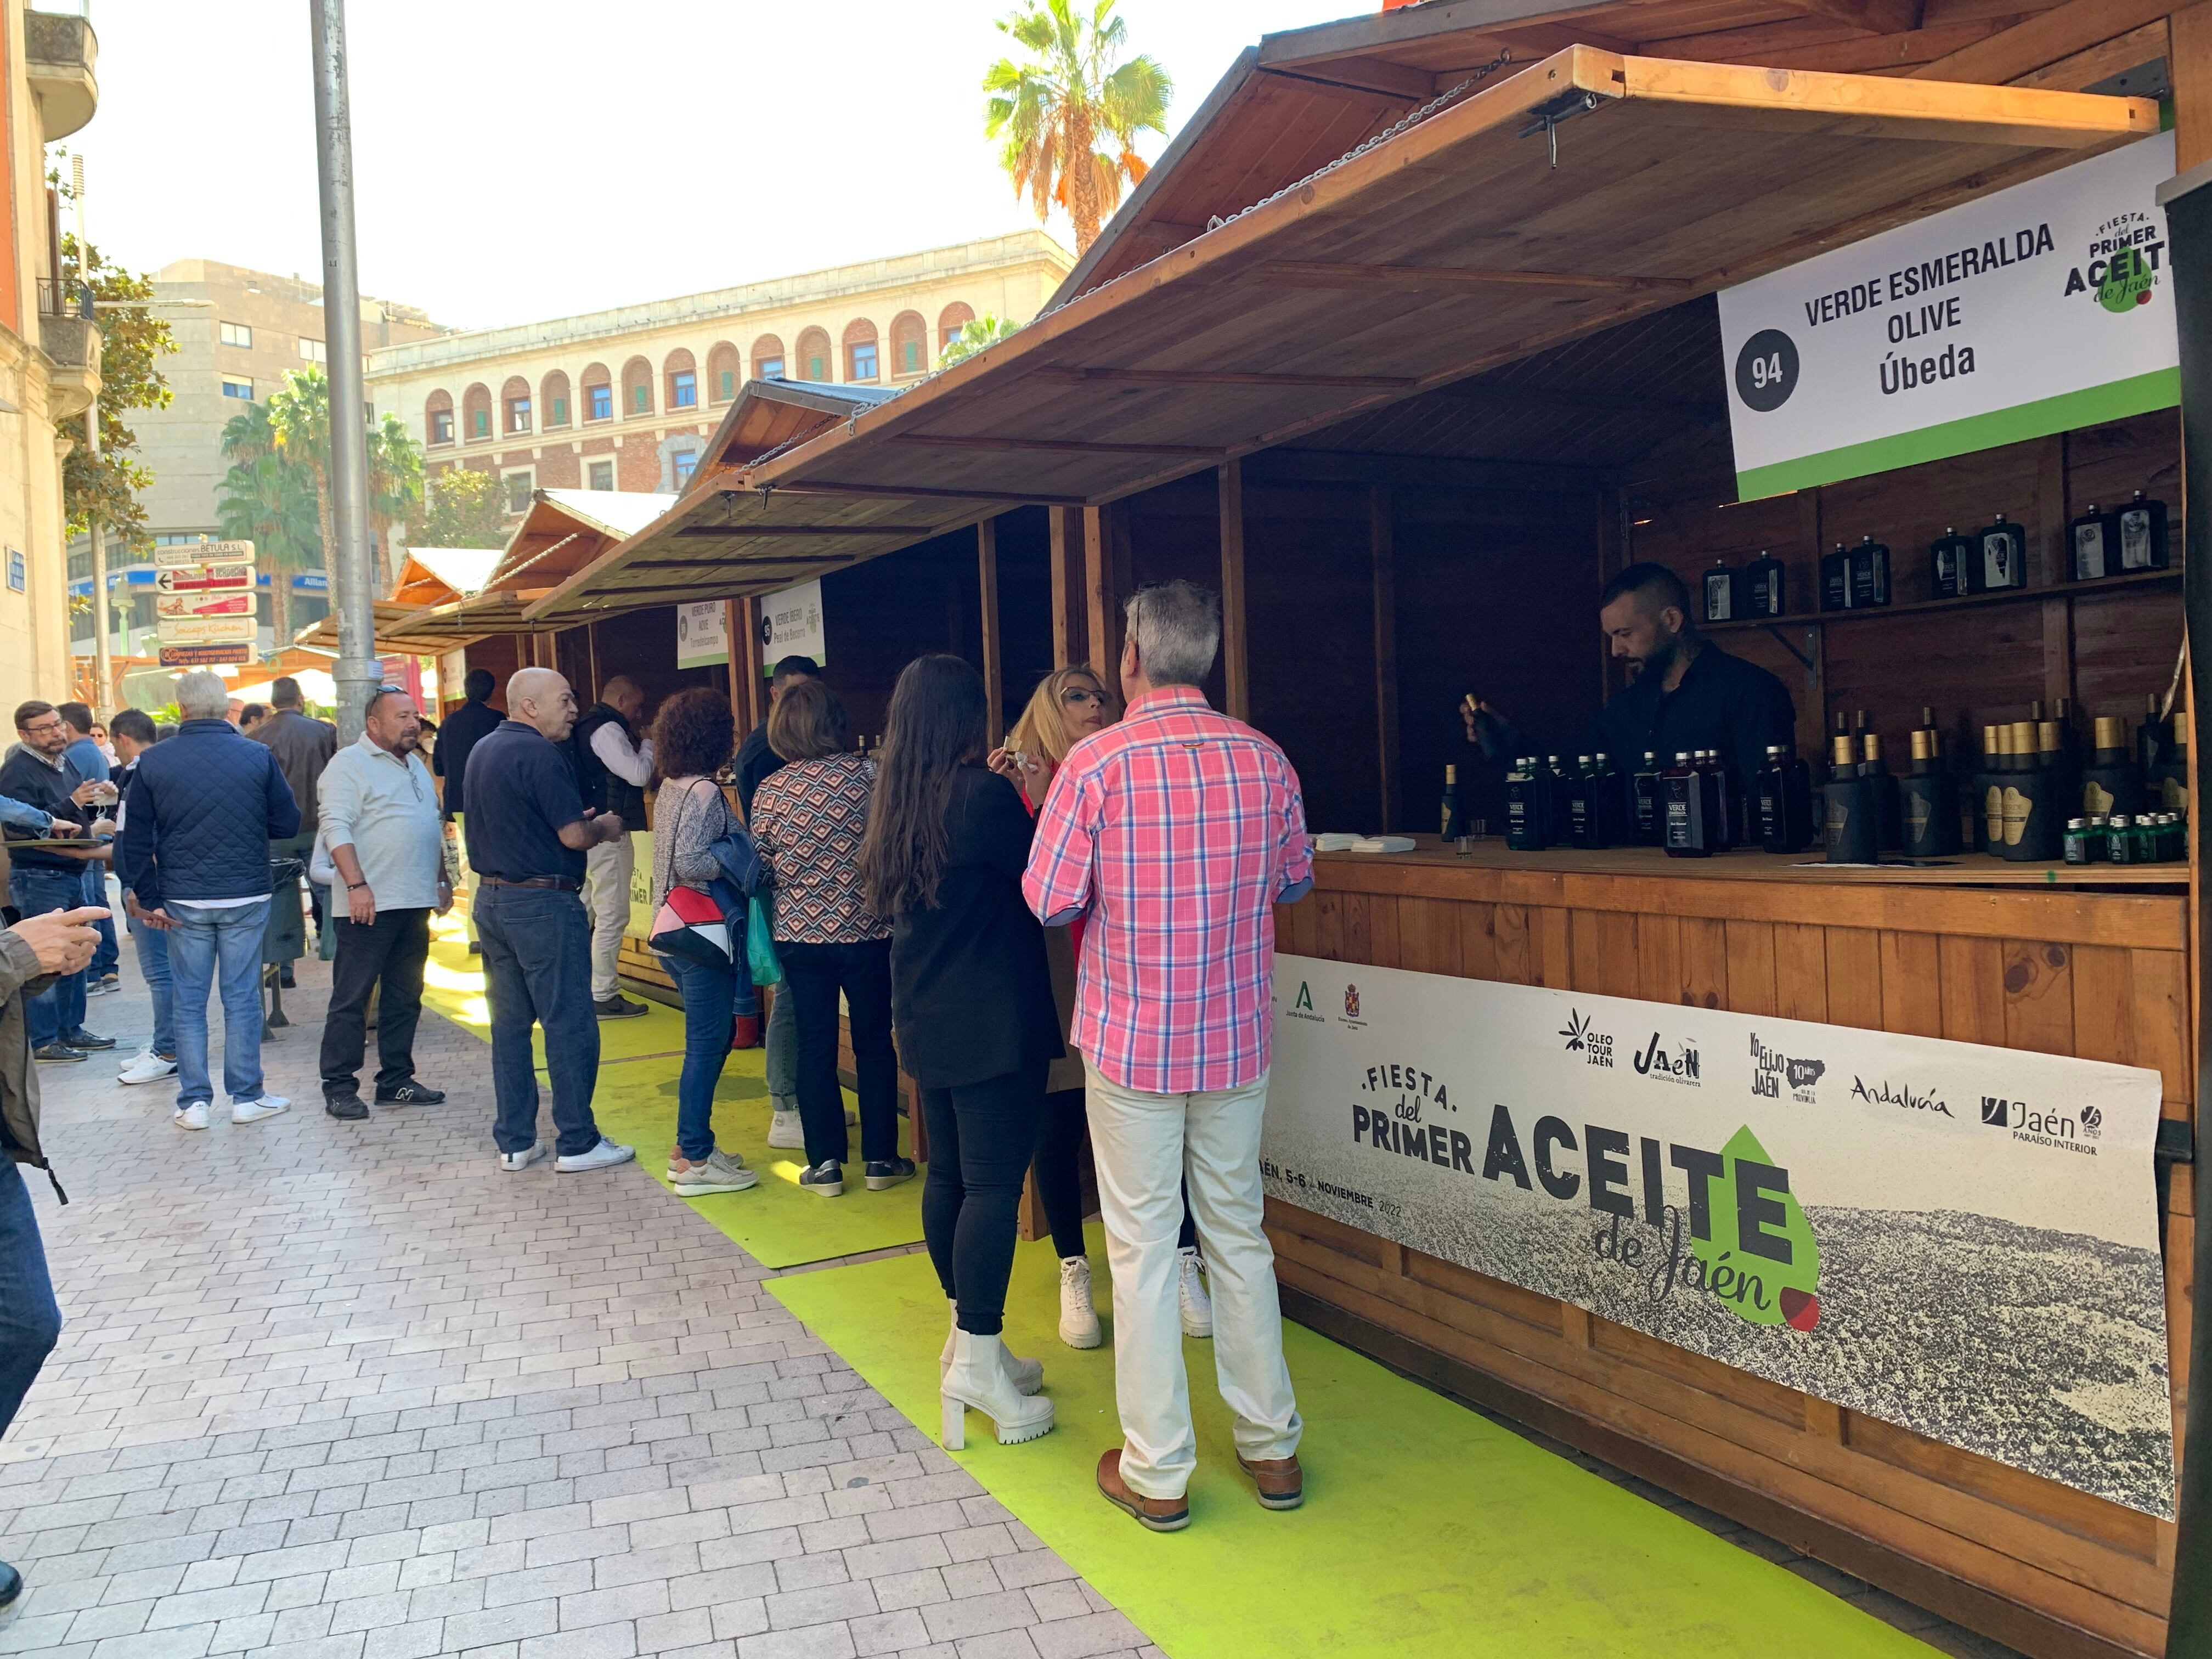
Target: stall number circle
(1766,370)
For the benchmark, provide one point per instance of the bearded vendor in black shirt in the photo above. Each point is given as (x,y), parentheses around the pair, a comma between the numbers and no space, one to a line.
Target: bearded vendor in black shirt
(1687,694)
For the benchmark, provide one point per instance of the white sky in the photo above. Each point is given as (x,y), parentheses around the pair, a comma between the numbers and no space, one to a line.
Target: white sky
(522,161)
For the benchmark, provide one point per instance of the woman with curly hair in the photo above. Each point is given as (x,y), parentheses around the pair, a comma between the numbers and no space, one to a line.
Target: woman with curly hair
(693,738)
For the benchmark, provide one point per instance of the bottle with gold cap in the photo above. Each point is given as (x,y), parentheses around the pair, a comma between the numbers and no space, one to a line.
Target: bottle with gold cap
(2111,782)
(1997,769)
(2171,782)
(1881,788)
(1930,801)
(1850,823)
(2036,805)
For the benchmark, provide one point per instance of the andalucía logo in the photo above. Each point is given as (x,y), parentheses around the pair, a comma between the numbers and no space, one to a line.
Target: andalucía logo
(1882,1095)
(1583,1038)
(2124,260)
(2043,1128)
(1302,1005)
(1771,1069)
(1675,1065)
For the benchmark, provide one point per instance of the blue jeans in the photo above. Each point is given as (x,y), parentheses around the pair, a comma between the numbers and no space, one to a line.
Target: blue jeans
(153,947)
(537,970)
(30,1320)
(782,1057)
(709,998)
(58,1011)
(107,955)
(210,949)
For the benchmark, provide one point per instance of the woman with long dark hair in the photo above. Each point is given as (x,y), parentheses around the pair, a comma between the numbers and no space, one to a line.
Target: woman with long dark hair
(693,737)
(971,999)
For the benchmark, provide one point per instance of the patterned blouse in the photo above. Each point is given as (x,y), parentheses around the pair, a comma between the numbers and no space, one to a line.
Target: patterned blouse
(808,819)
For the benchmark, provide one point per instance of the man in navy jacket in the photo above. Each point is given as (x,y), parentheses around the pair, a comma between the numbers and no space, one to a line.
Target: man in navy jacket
(204,806)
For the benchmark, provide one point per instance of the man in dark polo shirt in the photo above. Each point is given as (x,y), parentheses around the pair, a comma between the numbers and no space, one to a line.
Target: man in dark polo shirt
(527,833)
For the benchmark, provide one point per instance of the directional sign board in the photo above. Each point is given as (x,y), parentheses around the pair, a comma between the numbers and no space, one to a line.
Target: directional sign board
(173,556)
(206,605)
(197,578)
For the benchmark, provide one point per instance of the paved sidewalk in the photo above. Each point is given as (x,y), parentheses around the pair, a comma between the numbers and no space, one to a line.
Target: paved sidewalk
(345,1391)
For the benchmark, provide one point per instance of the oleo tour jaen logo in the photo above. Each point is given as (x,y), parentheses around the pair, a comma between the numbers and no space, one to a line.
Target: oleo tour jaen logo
(1583,1038)
(1741,1239)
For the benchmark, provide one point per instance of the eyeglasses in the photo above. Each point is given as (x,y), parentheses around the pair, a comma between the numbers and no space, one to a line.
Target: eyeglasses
(1077,694)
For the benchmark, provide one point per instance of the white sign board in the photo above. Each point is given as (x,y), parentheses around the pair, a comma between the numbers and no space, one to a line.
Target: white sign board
(1960,1240)
(173,556)
(702,634)
(2035,310)
(792,625)
(238,628)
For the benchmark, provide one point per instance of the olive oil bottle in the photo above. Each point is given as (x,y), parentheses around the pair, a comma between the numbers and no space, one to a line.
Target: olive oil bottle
(1782,798)
(1882,790)
(1851,831)
(2172,779)
(1647,796)
(1836,579)
(2142,534)
(1721,599)
(2035,805)
(1687,834)
(1870,572)
(1930,801)
(1761,587)
(2112,781)
(1453,826)
(2003,563)
(1950,561)
(2093,545)
(1524,806)
(1996,772)
(1581,806)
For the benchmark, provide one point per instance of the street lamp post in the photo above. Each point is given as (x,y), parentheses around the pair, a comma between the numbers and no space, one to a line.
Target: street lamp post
(103,666)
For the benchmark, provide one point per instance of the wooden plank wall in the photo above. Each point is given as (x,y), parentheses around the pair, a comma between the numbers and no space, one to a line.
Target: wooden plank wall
(2102,976)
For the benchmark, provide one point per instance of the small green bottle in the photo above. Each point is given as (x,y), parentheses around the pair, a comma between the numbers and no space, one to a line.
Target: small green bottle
(2120,839)
(2080,845)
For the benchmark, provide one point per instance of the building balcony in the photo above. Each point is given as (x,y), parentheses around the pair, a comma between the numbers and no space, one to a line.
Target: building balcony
(71,340)
(60,52)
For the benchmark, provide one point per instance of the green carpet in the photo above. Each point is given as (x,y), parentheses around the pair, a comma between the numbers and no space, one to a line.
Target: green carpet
(453,984)
(1427,1531)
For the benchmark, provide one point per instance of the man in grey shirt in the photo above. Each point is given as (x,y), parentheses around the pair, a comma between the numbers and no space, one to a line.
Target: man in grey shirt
(386,841)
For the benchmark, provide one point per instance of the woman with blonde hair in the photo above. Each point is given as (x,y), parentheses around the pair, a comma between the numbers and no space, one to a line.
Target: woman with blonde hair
(1068,705)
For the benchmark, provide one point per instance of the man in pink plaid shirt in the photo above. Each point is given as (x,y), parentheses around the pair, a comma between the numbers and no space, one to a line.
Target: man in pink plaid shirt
(1176,832)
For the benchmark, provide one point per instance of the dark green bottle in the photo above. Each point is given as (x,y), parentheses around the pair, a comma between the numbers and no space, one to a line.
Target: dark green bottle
(1881,785)
(1647,802)
(2036,806)
(1930,802)
(1851,829)
(2111,782)
(1524,806)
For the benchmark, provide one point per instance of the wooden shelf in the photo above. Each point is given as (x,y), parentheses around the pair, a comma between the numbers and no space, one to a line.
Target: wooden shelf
(1967,870)
(2062,590)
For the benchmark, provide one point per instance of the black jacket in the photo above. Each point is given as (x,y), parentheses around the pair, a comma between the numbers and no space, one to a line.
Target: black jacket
(755,760)
(603,792)
(25,776)
(971,994)
(204,806)
(450,758)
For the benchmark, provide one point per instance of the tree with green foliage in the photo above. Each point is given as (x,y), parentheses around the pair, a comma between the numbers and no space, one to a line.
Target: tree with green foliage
(270,500)
(299,422)
(464,508)
(1072,91)
(132,342)
(395,486)
(975,334)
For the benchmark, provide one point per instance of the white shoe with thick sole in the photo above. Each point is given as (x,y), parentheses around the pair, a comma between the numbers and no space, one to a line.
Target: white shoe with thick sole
(146,1066)
(194,1116)
(253,1111)
(717,1172)
(1078,1319)
(516,1162)
(605,1155)
(976,1379)
(1197,1305)
(1026,1374)
(785,1132)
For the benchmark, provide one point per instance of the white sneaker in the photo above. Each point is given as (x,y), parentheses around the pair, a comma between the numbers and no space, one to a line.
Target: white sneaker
(147,1066)
(1197,1306)
(193,1116)
(785,1130)
(253,1111)
(717,1172)
(1079,1319)
(515,1163)
(601,1157)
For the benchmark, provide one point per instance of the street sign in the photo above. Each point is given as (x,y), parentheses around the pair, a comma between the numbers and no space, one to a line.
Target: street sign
(237,629)
(193,578)
(173,605)
(171,556)
(204,656)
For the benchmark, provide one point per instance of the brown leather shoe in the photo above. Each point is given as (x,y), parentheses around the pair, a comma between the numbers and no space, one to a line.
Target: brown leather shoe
(1157,1513)
(1282,1484)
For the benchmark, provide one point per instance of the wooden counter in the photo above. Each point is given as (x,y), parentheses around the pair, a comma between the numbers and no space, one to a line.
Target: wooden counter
(2072,968)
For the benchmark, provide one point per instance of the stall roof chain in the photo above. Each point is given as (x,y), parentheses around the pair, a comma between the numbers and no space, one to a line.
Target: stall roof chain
(1404,124)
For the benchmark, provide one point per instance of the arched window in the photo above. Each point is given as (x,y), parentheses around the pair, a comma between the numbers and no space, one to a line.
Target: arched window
(599,394)
(951,321)
(814,362)
(637,387)
(553,399)
(768,358)
(438,417)
(863,360)
(724,371)
(910,345)
(475,413)
(683,380)
(514,404)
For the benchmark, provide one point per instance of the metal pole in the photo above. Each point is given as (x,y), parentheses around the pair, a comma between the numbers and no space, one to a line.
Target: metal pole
(358,670)
(2188,203)
(103,666)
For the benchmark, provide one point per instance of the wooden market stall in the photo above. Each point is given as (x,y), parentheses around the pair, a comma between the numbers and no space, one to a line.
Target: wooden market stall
(1408,349)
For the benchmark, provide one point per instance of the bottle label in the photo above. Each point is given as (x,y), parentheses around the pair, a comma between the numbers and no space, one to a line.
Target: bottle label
(1917,810)
(1993,814)
(1450,812)
(2174,795)
(1718,591)
(1996,560)
(2095,799)
(2017,807)
(1839,819)
(2135,539)
(2088,552)
(2077,846)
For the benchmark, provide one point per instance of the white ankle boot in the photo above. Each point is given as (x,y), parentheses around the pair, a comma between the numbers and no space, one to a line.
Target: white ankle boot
(1026,1374)
(1197,1305)
(977,1377)
(1078,1319)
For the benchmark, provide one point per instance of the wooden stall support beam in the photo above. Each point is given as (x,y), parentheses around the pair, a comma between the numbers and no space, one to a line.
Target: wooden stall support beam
(1069,632)
(592,654)
(987,583)
(1382,551)
(2190,67)
(1236,671)
(1099,632)
(733,666)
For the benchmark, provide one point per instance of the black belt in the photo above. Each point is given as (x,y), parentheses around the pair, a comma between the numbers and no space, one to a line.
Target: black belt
(558,884)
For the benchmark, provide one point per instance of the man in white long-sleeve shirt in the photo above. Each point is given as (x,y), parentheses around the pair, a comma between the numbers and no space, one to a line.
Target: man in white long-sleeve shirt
(613,766)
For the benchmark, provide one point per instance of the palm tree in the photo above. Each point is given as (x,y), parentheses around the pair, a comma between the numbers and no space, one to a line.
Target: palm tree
(300,421)
(272,501)
(1052,109)
(975,334)
(395,484)
(247,434)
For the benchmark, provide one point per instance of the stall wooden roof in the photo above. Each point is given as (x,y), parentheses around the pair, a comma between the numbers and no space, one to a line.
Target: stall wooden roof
(563,532)
(429,576)
(1449,246)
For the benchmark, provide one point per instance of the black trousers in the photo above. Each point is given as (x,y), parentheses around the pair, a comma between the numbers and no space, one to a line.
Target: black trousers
(1059,1165)
(389,951)
(814,974)
(980,1136)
